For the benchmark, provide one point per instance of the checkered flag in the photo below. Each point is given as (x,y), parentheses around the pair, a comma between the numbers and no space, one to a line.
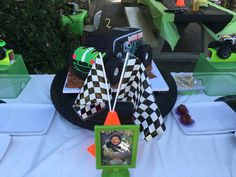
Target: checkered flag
(93,95)
(136,88)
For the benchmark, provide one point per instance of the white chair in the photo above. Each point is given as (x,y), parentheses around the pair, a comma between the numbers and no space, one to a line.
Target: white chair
(96,22)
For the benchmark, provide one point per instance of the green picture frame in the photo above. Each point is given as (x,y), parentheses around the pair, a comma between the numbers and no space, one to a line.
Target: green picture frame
(105,135)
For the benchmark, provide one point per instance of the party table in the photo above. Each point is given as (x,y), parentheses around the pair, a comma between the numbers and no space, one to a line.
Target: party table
(215,20)
(61,152)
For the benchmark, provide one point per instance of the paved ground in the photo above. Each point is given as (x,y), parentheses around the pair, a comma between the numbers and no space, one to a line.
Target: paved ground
(114,11)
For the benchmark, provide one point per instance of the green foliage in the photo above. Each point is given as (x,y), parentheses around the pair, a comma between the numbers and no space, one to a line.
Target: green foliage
(35,29)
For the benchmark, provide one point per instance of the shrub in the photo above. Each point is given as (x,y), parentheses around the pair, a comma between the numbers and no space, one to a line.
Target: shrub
(35,29)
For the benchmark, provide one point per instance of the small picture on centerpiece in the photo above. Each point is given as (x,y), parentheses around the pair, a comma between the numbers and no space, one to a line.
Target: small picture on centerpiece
(116,145)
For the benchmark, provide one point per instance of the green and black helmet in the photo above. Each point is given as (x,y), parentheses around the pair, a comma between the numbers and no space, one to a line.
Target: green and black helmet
(82,60)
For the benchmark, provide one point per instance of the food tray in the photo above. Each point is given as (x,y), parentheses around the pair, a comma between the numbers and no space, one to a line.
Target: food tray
(25,119)
(210,118)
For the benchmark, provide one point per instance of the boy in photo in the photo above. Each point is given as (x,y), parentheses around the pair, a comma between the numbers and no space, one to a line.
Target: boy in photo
(117,151)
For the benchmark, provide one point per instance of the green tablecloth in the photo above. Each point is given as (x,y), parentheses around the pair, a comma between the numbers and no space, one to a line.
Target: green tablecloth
(76,22)
(164,22)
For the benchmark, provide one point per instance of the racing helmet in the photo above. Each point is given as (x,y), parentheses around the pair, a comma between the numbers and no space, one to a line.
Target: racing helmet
(82,60)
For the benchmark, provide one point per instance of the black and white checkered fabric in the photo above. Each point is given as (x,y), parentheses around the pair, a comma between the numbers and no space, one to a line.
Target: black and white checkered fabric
(136,88)
(93,95)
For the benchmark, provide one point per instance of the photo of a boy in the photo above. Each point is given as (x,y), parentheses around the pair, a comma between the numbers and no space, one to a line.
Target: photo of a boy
(116,150)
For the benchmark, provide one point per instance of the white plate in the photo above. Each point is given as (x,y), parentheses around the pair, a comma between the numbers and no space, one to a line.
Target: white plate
(5,141)
(25,119)
(158,83)
(210,118)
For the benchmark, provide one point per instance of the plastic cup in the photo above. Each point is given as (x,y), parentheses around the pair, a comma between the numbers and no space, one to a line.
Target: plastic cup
(196,5)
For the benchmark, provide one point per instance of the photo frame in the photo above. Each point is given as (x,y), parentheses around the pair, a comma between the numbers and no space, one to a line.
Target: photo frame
(116,146)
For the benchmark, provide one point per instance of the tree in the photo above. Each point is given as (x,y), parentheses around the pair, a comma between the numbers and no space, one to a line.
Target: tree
(35,29)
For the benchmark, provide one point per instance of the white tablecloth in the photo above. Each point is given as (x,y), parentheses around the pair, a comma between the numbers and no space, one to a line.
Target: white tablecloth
(61,152)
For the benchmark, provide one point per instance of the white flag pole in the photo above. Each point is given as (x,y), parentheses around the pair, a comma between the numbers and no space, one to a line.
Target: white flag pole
(121,79)
(105,78)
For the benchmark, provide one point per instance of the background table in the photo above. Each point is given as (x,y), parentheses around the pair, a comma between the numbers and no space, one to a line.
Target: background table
(61,152)
(215,21)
